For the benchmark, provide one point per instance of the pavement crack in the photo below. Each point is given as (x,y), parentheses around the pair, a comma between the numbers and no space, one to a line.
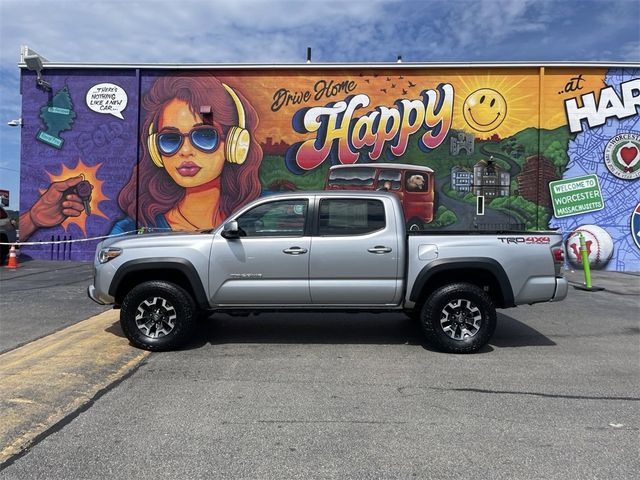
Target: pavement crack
(39,287)
(39,272)
(373,422)
(544,395)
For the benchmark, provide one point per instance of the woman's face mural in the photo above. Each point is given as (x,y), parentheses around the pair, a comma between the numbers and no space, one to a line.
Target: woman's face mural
(199,158)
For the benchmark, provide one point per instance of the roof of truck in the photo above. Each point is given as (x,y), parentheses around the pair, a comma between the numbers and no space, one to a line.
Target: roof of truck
(330,193)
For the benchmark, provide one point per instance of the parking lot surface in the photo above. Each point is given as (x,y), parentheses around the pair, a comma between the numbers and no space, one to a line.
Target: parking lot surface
(556,394)
(41,297)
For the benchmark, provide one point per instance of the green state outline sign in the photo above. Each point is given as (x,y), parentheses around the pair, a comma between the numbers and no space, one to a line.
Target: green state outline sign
(574,196)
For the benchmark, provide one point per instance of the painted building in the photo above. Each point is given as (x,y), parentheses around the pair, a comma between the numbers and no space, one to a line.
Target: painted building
(462,142)
(536,175)
(461,179)
(108,149)
(490,180)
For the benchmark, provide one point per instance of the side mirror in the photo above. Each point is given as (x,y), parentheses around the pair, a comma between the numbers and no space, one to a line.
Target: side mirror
(231,230)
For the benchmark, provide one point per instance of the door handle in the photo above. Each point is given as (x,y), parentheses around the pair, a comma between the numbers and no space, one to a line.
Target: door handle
(379,249)
(294,250)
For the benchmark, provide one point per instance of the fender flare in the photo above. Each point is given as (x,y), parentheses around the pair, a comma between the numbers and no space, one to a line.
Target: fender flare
(451,264)
(166,263)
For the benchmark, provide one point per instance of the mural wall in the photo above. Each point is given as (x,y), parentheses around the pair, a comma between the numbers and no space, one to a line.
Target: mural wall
(107,152)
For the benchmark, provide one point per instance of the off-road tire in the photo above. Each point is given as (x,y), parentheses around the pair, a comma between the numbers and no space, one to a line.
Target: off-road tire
(158,316)
(454,309)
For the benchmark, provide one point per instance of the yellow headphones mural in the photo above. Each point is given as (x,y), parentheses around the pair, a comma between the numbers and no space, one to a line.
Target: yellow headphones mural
(237,141)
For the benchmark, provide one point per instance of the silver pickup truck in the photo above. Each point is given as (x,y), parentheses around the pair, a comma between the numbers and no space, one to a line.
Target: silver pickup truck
(325,251)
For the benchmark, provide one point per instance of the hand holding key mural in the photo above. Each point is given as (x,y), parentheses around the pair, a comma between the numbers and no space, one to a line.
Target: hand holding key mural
(63,199)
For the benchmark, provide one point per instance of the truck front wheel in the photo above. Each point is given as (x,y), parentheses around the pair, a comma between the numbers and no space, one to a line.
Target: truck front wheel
(158,316)
(459,318)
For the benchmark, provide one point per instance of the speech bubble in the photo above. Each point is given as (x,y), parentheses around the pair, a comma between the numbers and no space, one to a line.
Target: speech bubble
(107,98)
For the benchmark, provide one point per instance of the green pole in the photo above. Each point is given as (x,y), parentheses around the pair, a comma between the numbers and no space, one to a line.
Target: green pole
(585,261)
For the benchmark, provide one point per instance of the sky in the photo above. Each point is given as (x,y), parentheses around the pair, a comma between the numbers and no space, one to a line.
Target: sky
(273,32)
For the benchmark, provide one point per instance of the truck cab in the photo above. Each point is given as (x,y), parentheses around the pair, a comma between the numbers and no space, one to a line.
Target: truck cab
(300,247)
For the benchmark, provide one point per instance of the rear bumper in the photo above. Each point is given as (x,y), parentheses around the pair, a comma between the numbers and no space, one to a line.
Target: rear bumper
(543,289)
(562,288)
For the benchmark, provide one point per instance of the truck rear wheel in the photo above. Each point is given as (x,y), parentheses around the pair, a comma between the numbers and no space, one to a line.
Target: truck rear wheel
(158,316)
(459,318)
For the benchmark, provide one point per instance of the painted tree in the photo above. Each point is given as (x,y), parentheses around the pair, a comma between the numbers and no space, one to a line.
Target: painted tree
(58,115)
(558,156)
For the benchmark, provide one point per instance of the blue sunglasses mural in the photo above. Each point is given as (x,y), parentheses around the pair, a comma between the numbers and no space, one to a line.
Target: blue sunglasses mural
(205,139)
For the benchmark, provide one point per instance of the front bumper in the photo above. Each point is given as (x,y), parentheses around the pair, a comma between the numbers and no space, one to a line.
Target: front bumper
(91,293)
(100,299)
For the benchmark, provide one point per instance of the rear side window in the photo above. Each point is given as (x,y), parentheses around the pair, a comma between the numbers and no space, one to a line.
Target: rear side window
(346,216)
(352,177)
(389,180)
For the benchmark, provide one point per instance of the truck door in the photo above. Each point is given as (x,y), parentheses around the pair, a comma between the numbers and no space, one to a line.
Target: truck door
(355,254)
(269,264)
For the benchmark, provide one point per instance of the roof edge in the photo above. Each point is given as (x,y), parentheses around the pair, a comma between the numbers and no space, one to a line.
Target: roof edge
(332,66)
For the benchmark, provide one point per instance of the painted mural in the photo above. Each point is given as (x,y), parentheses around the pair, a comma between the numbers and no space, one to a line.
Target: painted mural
(107,152)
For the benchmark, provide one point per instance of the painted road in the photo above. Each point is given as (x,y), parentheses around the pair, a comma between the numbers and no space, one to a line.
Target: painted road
(466,212)
(514,167)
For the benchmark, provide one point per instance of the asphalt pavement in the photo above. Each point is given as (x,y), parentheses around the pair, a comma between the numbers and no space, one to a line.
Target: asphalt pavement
(555,394)
(41,297)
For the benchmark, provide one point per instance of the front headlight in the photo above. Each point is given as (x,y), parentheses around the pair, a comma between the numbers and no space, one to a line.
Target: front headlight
(109,253)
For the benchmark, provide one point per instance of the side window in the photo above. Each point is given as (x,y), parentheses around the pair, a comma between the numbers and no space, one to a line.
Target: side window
(389,180)
(346,216)
(284,218)
(352,177)
(416,182)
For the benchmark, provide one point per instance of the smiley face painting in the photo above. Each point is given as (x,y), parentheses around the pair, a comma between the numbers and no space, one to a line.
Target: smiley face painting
(484,110)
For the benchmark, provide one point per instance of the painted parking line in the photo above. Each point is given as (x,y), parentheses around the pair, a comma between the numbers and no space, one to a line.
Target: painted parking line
(45,381)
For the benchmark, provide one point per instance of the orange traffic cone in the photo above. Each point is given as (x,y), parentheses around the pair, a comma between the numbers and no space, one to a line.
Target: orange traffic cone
(13,260)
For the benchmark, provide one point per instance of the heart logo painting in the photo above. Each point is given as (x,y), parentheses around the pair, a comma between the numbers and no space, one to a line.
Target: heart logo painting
(629,154)
(622,155)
